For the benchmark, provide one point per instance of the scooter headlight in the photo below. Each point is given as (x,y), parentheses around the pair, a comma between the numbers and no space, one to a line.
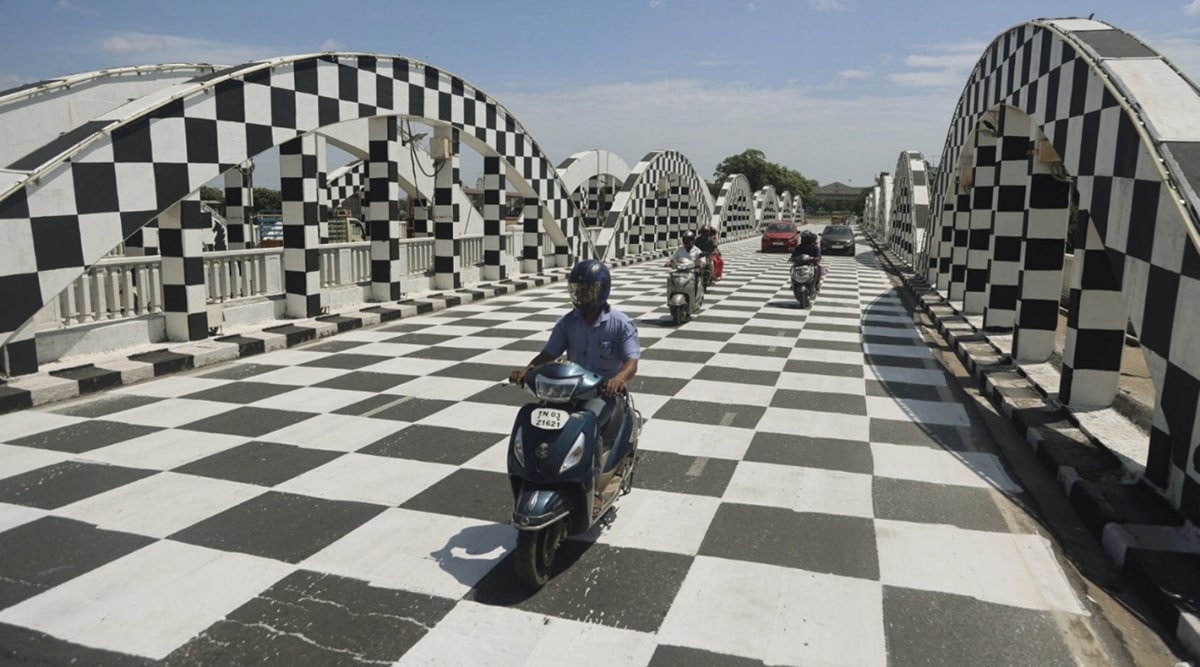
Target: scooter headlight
(574,456)
(555,390)
(518,448)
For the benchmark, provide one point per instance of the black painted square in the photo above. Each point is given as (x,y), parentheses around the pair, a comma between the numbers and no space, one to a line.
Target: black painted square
(922,502)
(84,436)
(701,412)
(678,473)
(248,421)
(63,483)
(471,493)
(809,452)
(283,526)
(261,463)
(775,536)
(844,404)
(241,392)
(436,444)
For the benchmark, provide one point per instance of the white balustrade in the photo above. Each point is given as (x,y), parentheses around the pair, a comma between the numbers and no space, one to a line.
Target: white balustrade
(238,274)
(470,250)
(419,254)
(344,264)
(113,288)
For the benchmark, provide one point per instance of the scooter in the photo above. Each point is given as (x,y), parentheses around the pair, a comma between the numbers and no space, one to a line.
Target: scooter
(565,475)
(806,280)
(685,288)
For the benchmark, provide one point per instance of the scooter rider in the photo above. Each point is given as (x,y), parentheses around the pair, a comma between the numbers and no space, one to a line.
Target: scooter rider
(596,336)
(707,243)
(808,245)
(686,251)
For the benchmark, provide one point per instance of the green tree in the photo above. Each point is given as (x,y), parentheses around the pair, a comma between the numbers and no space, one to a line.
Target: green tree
(267,199)
(752,163)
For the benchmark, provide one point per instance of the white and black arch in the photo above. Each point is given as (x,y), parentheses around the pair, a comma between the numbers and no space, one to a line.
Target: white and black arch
(77,196)
(662,196)
(734,213)
(1076,103)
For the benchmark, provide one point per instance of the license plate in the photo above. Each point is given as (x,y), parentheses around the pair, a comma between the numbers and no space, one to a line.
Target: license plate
(549,419)
(777,243)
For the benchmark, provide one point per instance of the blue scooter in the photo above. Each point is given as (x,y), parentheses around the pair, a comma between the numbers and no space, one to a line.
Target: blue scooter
(565,475)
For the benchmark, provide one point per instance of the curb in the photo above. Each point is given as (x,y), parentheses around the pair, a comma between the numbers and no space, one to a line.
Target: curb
(1149,541)
(27,391)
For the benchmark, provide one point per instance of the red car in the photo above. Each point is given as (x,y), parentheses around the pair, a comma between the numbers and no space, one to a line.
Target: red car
(780,236)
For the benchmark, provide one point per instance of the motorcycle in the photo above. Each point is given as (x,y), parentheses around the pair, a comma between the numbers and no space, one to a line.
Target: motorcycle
(685,288)
(565,474)
(806,277)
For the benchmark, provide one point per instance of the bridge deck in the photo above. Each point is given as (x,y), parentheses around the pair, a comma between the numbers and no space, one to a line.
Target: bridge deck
(812,491)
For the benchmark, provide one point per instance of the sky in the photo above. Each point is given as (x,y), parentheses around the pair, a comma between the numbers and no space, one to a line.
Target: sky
(834,89)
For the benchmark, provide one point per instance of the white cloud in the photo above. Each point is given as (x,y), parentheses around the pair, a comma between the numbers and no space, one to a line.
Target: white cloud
(947,67)
(824,137)
(1192,8)
(148,48)
(752,6)
(859,73)
(68,6)
(331,44)
(829,5)
(655,4)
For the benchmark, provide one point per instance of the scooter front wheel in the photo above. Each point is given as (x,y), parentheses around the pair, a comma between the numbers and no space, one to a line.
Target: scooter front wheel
(678,314)
(536,550)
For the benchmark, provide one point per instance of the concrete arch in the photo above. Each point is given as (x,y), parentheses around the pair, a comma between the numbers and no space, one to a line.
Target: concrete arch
(1116,121)
(733,214)
(766,205)
(143,157)
(594,178)
(37,113)
(662,196)
(909,205)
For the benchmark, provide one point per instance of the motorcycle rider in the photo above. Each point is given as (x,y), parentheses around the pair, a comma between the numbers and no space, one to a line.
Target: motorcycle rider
(596,336)
(687,250)
(808,245)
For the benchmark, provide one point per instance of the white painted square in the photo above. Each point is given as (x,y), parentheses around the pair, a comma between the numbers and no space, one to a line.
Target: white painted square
(447,388)
(648,404)
(824,384)
(781,341)
(815,424)
(936,466)
(299,376)
(777,615)
(912,351)
(132,604)
(163,450)
(16,460)
(801,489)
(435,554)
(661,521)
(171,412)
(381,349)
(409,366)
(381,480)
(668,369)
(507,358)
(731,393)
(830,336)
(161,504)
(485,417)
(313,399)
(12,516)
(454,330)
(885,374)
(492,636)
(172,386)
(297,356)
(693,345)
(792,325)
(921,412)
(492,459)
(478,342)
(1003,568)
(804,353)
(339,433)
(748,362)
(702,440)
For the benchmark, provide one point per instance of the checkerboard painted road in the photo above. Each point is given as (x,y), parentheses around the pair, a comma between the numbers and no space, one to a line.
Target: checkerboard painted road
(810,492)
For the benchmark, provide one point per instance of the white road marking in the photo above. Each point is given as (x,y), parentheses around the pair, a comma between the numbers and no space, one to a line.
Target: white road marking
(385,406)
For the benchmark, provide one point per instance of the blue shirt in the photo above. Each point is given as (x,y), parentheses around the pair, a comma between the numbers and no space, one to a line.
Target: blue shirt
(811,249)
(602,348)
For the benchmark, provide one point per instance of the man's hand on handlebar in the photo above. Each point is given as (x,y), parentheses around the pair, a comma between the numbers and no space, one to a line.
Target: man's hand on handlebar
(614,386)
(517,376)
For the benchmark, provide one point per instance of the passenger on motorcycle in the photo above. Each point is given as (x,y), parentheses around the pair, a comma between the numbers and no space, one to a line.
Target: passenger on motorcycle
(596,336)
(707,243)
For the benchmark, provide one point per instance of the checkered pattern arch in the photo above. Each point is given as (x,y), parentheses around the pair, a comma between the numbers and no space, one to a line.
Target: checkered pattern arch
(733,212)
(1118,116)
(766,205)
(909,204)
(89,189)
(662,195)
(346,182)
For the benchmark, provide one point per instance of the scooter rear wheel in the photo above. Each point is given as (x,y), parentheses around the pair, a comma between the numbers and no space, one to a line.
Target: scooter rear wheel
(536,550)
(804,298)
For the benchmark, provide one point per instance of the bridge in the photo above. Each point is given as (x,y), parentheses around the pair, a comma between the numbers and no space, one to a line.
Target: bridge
(359,474)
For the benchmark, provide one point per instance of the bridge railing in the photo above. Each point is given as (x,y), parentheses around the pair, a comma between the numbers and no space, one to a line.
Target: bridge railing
(114,288)
(240,274)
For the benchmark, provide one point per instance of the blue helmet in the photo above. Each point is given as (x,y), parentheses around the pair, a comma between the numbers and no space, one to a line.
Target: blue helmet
(589,284)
